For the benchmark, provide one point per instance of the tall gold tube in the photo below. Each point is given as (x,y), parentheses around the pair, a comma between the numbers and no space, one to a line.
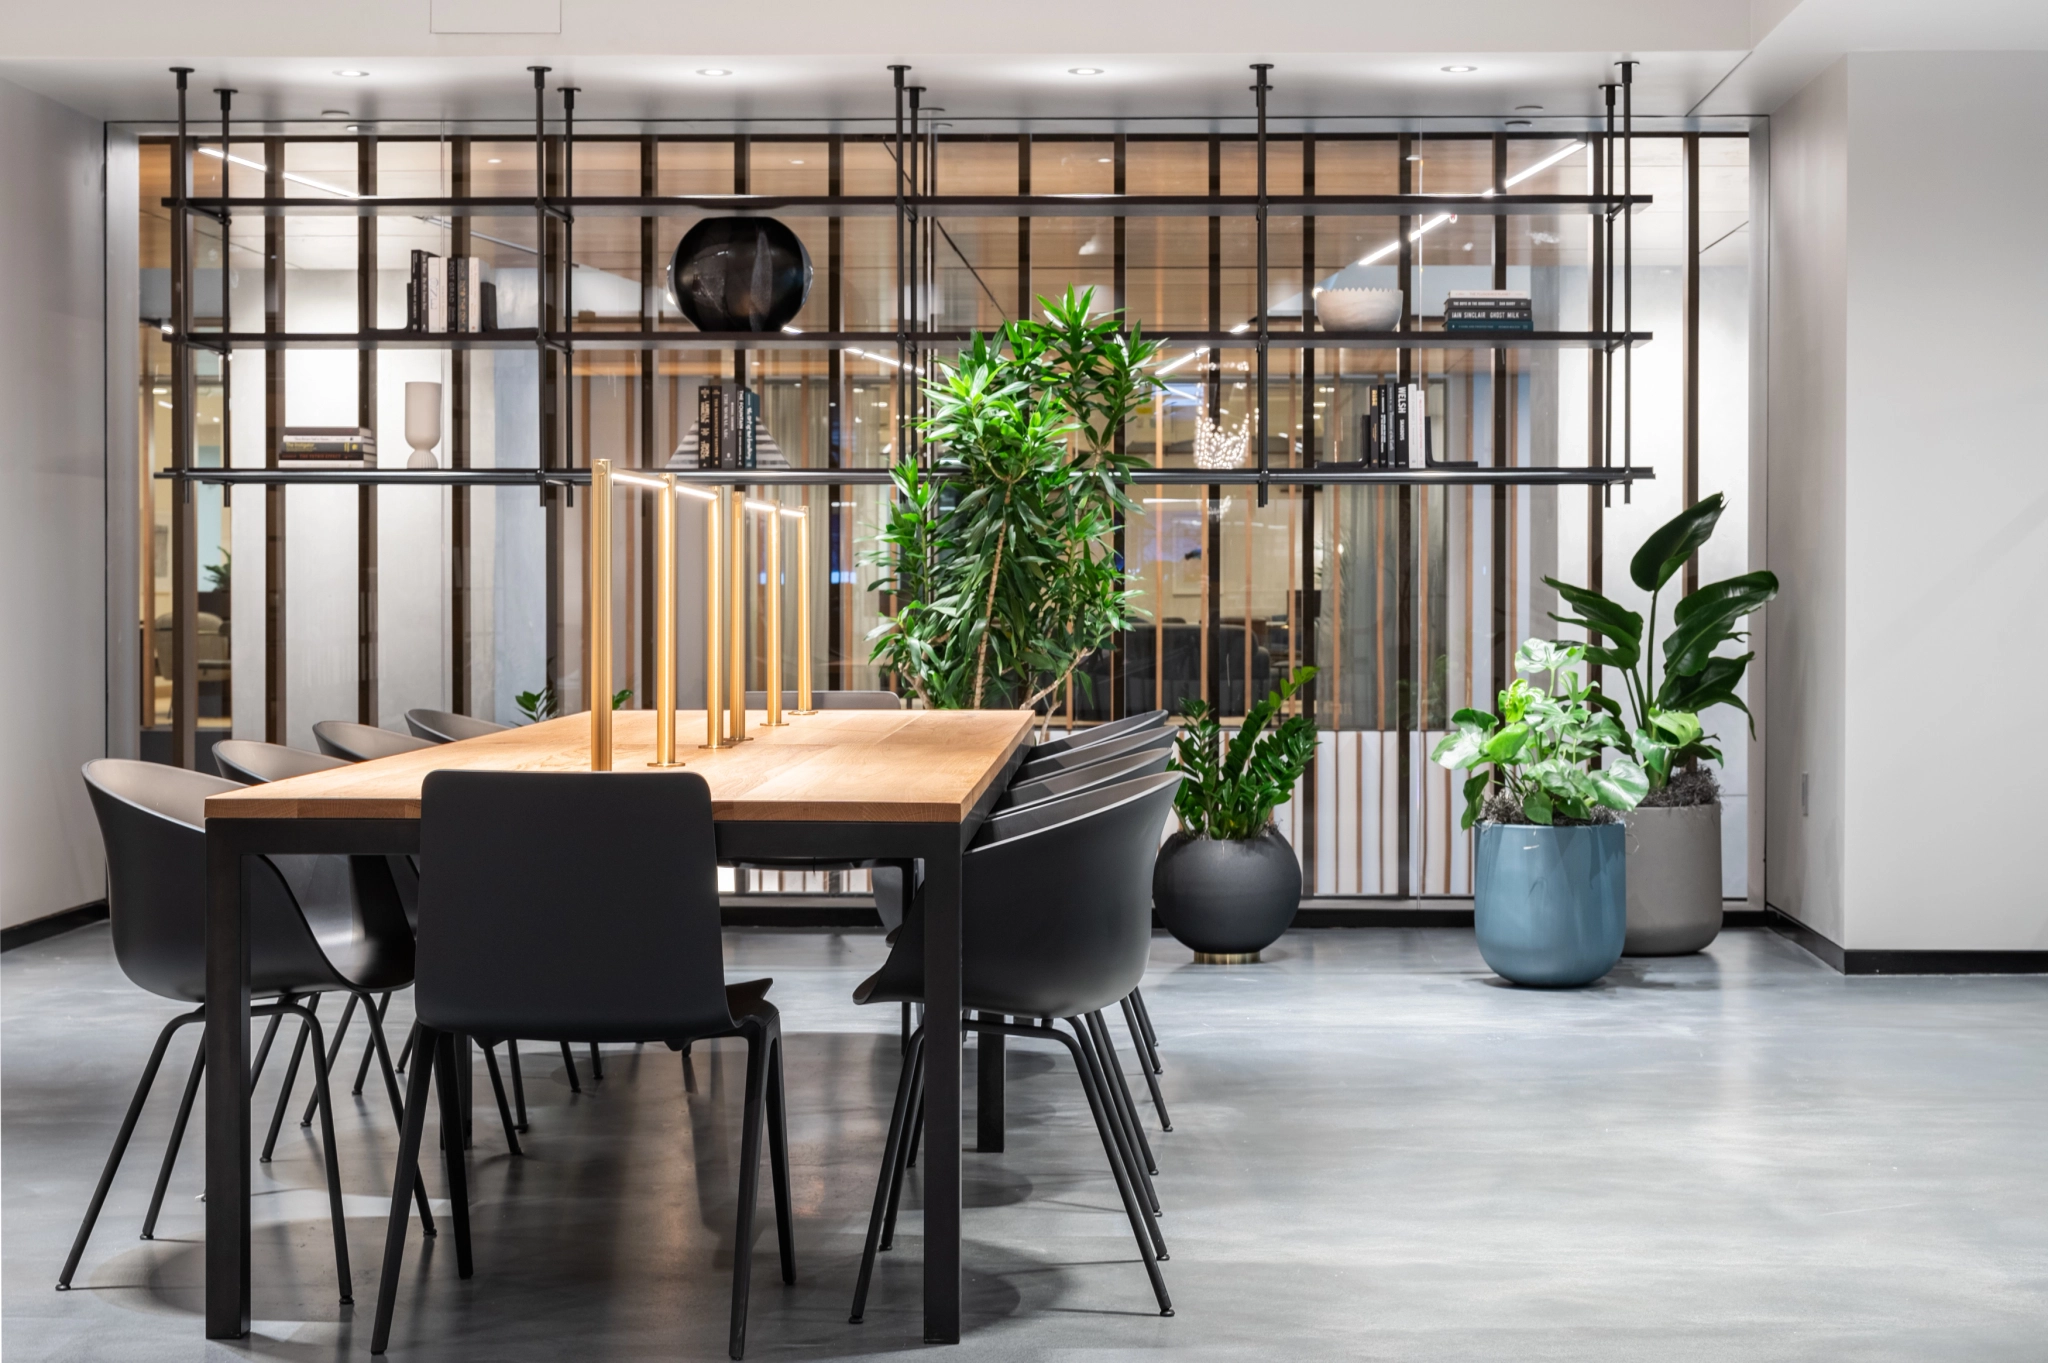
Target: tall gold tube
(736,621)
(803,612)
(665,625)
(771,628)
(714,624)
(598,616)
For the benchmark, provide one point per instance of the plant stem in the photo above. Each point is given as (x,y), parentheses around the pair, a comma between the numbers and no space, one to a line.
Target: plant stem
(988,610)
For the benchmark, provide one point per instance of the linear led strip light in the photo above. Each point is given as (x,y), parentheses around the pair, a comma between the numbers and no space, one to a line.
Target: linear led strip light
(1375,256)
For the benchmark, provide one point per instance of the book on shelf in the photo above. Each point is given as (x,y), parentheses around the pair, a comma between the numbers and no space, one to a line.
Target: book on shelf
(327,446)
(1488,310)
(451,294)
(728,424)
(1394,431)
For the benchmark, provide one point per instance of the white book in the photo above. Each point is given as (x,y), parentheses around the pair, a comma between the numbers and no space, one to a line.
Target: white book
(1418,426)
(437,297)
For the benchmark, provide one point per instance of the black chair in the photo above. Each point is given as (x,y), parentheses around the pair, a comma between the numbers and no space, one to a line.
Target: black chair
(254,763)
(631,856)
(1103,733)
(1142,740)
(315,925)
(445,726)
(832,700)
(363,742)
(1056,925)
(1074,780)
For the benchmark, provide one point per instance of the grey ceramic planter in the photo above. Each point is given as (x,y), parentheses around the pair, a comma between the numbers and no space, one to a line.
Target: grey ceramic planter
(1674,879)
(1225,898)
(1549,905)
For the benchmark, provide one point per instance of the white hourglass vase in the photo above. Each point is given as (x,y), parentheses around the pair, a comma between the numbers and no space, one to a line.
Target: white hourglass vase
(422,424)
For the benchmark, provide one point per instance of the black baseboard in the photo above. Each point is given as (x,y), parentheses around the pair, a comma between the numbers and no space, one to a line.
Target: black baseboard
(1384,913)
(798,911)
(36,929)
(1866,961)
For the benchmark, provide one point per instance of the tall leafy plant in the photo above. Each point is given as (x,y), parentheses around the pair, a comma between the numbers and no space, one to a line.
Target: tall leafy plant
(1231,791)
(1543,750)
(1666,732)
(1004,570)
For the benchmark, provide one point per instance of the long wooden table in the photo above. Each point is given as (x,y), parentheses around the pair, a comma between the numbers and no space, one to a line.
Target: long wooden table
(839,784)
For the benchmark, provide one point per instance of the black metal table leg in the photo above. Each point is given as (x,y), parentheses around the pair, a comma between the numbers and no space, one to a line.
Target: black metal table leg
(941,1087)
(227,1090)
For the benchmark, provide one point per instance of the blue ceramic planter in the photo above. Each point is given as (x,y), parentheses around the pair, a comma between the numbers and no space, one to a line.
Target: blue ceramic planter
(1550,905)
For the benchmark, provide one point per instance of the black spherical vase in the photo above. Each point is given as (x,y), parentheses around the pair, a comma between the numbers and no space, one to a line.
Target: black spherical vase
(1228,899)
(740,274)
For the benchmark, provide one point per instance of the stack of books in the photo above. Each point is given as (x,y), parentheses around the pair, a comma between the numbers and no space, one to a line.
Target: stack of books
(1488,310)
(327,446)
(1394,432)
(728,420)
(455,294)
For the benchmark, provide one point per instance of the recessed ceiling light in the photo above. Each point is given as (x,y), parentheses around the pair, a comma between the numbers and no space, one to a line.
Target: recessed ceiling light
(1084,70)
(334,113)
(496,160)
(353,128)
(1415,158)
(1528,108)
(1102,161)
(795,162)
(352,75)
(1520,123)
(1461,70)
(713,71)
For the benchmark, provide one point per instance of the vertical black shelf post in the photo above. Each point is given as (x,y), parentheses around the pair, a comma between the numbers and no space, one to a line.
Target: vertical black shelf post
(1265,322)
(184,519)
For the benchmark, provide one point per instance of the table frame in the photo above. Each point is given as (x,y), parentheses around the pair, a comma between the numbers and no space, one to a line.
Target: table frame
(229,1151)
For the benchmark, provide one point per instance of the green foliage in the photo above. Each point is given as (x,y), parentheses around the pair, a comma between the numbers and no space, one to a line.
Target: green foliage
(542,704)
(1695,677)
(1230,792)
(1543,746)
(1005,572)
(220,577)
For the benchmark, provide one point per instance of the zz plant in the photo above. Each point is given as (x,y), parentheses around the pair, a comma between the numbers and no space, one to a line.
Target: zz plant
(1230,792)
(1004,571)
(1666,733)
(1544,747)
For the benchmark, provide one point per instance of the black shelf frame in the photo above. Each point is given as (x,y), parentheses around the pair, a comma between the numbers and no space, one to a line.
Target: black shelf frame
(1321,475)
(520,338)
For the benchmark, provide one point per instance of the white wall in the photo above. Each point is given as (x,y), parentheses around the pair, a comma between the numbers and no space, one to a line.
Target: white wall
(1909,499)
(53,516)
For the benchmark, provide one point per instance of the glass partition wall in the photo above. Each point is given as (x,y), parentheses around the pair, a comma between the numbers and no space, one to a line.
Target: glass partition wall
(360,602)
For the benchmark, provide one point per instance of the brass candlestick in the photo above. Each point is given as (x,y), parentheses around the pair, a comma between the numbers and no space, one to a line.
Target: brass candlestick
(599,622)
(772,626)
(803,612)
(714,624)
(665,625)
(736,621)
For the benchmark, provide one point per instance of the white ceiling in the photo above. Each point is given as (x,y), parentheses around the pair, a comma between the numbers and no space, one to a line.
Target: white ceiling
(826,59)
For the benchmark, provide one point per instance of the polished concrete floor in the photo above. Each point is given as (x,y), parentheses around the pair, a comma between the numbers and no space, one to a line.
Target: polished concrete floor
(1380,1152)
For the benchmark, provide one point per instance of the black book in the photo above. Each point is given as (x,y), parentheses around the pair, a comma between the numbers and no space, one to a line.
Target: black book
(708,423)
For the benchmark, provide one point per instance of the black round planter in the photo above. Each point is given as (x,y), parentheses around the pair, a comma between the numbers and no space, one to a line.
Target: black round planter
(1229,900)
(740,274)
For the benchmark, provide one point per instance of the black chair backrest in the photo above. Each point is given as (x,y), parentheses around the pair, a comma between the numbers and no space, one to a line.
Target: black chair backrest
(1023,795)
(152,822)
(363,742)
(1058,918)
(1102,733)
(253,763)
(1140,741)
(832,700)
(445,726)
(569,906)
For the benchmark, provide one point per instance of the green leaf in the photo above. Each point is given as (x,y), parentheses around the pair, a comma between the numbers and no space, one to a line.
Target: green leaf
(1599,615)
(1475,797)
(1750,591)
(1620,786)
(1506,745)
(1536,807)
(1474,718)
(1673,542)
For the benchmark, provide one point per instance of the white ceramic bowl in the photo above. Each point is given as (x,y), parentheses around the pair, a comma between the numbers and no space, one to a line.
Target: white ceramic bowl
(1359,309)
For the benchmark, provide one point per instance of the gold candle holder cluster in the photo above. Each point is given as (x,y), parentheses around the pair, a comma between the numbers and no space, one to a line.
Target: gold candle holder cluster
(725,612)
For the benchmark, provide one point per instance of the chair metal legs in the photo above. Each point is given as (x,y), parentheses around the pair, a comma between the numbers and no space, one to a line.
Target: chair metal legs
(764,1099)
(569,1063)
(886,1181)
(380,1012)
(1151,1037)
(1120,1091)
(1147,1064)
(348,1012)
(498,1088)
(518,1083)
(163,1174)
(403,1180)
(1093,1073)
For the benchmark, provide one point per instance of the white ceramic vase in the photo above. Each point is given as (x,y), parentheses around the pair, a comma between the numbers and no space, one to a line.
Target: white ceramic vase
(423,424)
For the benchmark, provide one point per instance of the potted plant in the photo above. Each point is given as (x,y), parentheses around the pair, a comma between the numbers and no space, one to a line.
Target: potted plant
(1004,573)
(1549,891)
(1674,835)
(1227,884)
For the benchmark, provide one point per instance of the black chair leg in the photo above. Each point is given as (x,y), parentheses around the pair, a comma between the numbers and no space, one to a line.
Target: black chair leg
(99,1194)
(1151,1036)
(498,1088)
(348,1011)
(320,1099)
(1133,1166)
(450,1086)
(404,1180)
(518,1082)
(263,1051)
(778,1159)
(381,1047)
(750,1187)
(405,1051)
(284,1094)
(1114,1064)
(596,1064)
(380,1012)
(1145,1067)
(569,1063)
(903,1039)
(163,1174)
(1143,1229)
(885,1180)
(906,1147)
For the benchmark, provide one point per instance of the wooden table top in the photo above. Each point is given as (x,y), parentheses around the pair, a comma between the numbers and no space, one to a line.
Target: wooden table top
(846,766)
